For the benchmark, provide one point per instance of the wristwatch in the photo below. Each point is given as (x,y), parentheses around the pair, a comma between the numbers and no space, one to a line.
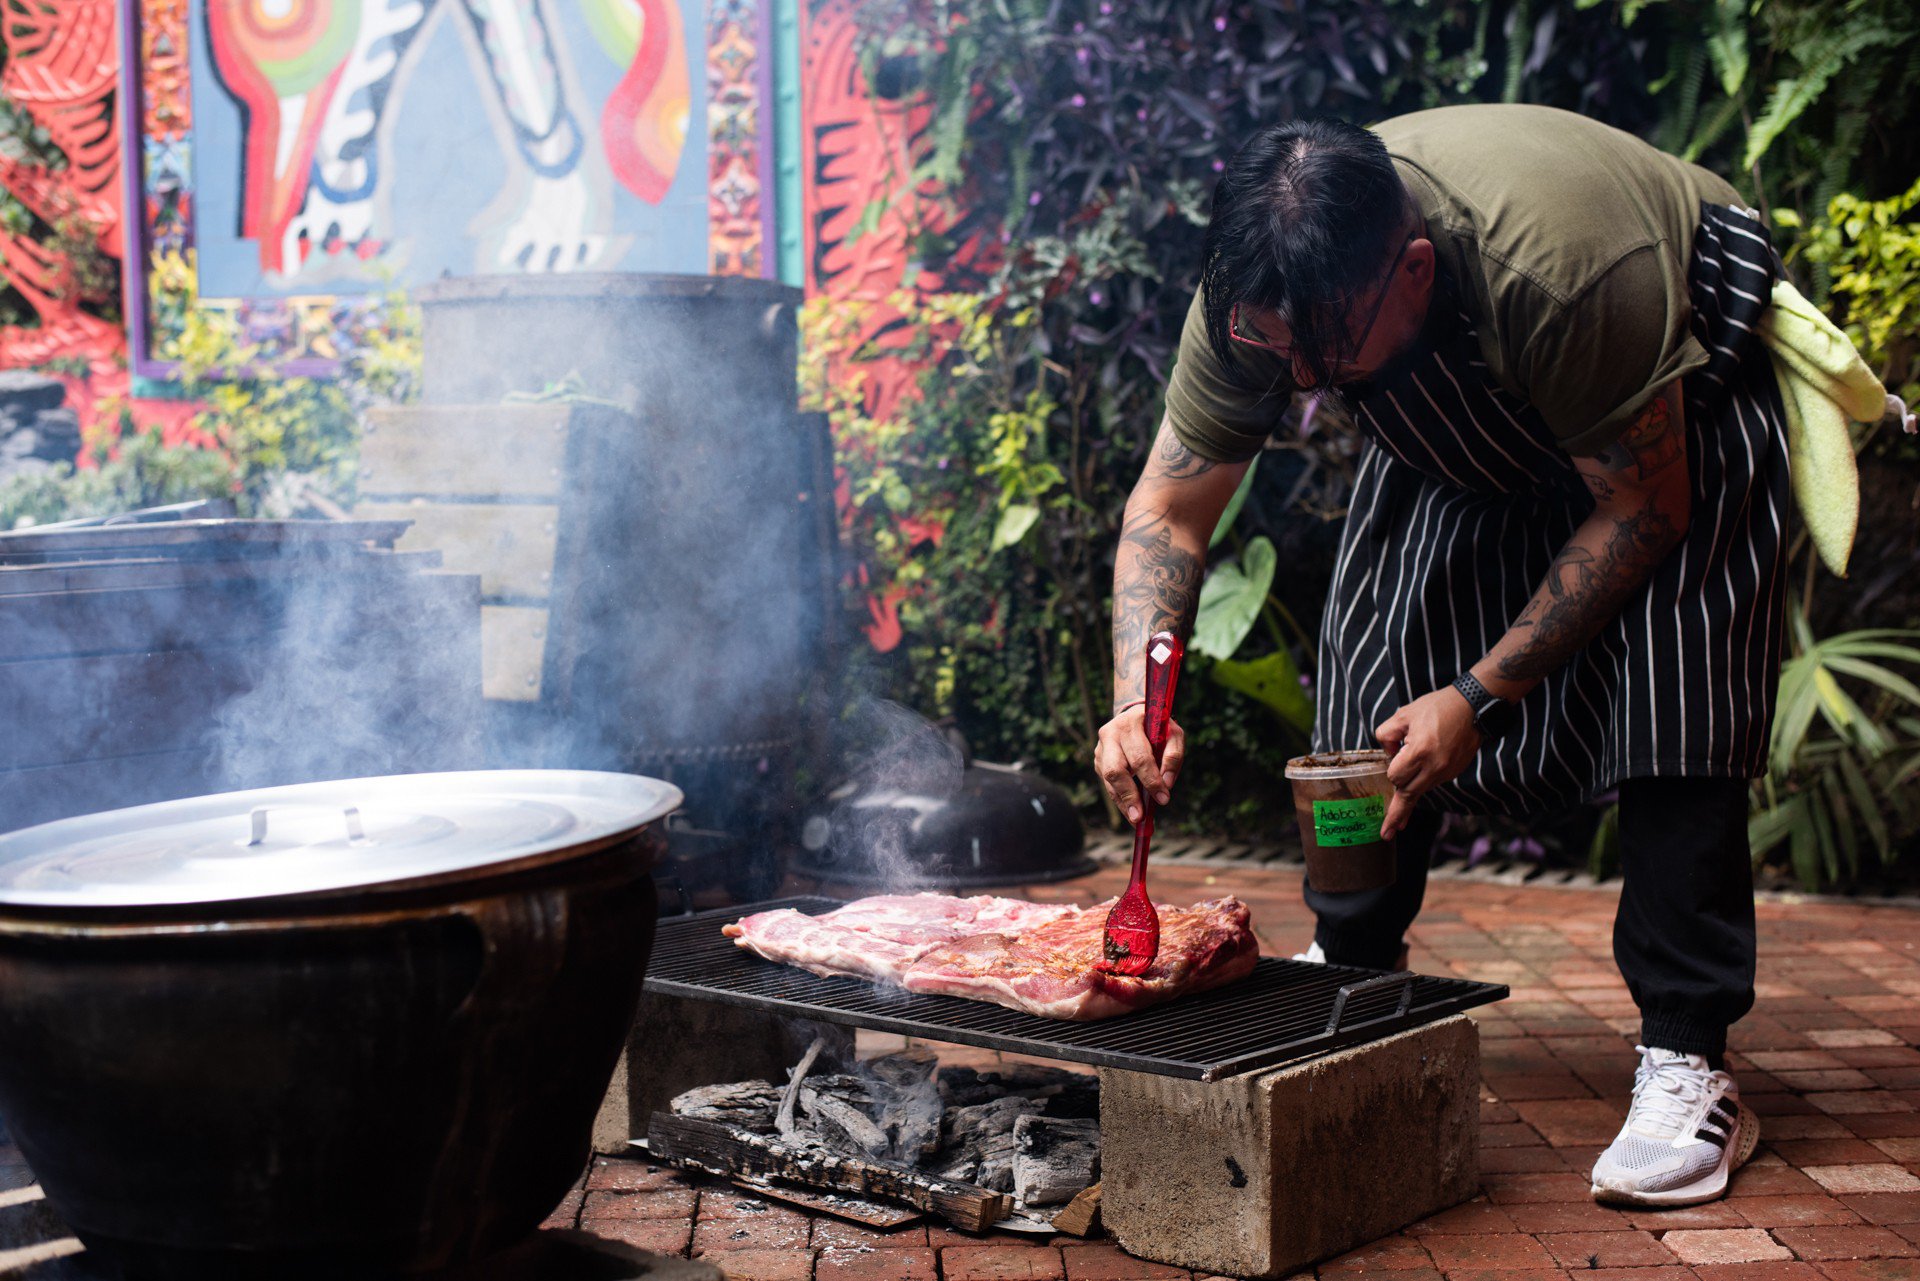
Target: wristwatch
(1492,716)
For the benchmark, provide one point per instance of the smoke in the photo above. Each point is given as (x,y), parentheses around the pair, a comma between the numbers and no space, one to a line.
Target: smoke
(902,770)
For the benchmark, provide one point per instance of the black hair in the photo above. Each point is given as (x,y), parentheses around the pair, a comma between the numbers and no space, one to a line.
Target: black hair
(1305,217)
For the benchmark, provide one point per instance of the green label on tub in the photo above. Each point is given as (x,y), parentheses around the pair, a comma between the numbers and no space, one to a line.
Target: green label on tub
(1349,822)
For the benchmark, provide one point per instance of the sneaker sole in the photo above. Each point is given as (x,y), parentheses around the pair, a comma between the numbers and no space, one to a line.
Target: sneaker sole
(1710,1188)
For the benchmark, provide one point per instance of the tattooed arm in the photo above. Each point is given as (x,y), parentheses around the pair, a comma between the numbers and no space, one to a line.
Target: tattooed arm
(1642,497)
(1156,586)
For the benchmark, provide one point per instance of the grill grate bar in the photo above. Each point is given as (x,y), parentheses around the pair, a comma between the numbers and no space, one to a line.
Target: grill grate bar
(1278,1013)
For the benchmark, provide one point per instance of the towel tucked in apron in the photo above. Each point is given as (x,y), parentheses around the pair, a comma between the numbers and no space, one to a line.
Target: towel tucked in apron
(1462,501)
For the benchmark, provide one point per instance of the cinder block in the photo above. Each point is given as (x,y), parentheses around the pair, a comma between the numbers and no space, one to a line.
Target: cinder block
(1260,1175)
(677,1044)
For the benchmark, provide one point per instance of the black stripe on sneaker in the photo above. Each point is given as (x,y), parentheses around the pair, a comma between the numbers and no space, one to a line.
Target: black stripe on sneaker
(1714,1137)
(1725,1108)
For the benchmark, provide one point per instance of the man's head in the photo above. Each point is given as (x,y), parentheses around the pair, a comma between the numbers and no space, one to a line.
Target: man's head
(1315,251)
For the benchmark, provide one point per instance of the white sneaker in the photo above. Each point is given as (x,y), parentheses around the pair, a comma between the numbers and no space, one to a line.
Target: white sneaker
(1685,1133)
(1315,956)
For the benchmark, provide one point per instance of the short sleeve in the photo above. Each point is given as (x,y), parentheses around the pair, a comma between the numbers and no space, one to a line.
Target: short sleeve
(1590,366)
(1212,413)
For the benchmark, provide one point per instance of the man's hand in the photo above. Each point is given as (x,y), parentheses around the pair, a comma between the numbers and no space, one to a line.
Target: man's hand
(1124,755)
(1432,739)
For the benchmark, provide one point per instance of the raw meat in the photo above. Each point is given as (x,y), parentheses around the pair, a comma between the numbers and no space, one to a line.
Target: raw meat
(1027,956)
(879,937)
(1050,971)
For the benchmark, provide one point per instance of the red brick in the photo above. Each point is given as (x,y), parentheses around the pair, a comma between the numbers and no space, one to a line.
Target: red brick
(1111,1263)
(1489,1274)
(1389,1254)
(1509,1136)
(1607,1249)
(782,1230)
(1869,1270)
(1522,1160)
(1567,1216)
(940,1234)
(1723,1245)
(718,1201)
(838,1235)
(763,1265)
(1566,1122)
(1885,1207)
(1884,1125)
(1775,1271)
(1795,1211)
(1714,1214)
(631,1176)
(660,1203)
(1535,1086)
(1805,1152)
(1001,1263)
(567,1213)
(662,1236)
(1805,1127)
(875,1263)
(1846,1243)
(1843,1078)
(1514,1188)
(1855,1102)
(1771,1180)
(1487,1250)
(1474,1216)
(1882,1177)
(1904,1150)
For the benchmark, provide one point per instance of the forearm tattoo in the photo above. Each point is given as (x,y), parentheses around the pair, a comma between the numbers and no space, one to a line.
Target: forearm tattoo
(1175,461)
(1156,587)
(1648,447)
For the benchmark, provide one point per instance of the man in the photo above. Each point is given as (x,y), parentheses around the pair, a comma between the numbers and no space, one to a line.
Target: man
(1562,568)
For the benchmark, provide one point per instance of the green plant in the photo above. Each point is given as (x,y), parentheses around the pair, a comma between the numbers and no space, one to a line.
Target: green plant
(1846,740)
(141,472)
(1869,252)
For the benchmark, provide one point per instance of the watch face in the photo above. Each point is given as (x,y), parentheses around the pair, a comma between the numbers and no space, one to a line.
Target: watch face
(1497,717)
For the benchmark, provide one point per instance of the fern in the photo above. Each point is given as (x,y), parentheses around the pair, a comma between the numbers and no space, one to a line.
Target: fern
(1820,63)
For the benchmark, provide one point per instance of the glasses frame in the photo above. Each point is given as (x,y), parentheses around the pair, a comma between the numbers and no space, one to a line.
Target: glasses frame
(1373,318)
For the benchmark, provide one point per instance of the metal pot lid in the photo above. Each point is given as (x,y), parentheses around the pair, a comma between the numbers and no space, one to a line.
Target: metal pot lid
(316,838)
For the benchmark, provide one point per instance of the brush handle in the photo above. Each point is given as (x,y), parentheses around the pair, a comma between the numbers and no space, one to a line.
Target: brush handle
(1164,652)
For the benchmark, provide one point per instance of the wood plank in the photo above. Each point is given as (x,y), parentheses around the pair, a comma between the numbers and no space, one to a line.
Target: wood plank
(510,545)
(513,648)
(468,451)
(1081,1218)
(131,575)
(728,1151)
(883,1215)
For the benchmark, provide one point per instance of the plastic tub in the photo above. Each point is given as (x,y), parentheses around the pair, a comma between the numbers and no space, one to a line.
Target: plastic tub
(1339,800)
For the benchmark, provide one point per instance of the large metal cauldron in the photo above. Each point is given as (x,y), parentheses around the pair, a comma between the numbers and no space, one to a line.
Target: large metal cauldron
(340,1029)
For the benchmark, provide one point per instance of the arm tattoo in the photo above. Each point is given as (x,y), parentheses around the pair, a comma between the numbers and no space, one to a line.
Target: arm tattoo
(1582,591)
(1175,461)
(1156,588)
(1650,445)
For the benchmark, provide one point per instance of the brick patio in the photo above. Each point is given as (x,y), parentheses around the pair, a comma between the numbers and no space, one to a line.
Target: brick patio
(1828,1060)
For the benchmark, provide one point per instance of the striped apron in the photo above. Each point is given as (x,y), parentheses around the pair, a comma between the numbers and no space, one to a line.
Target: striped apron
(1463,499)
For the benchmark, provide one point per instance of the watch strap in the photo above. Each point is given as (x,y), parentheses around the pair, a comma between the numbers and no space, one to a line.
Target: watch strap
(1476,694)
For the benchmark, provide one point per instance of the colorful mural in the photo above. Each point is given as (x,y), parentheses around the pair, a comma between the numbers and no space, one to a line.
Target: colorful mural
(286,162)
(300,158)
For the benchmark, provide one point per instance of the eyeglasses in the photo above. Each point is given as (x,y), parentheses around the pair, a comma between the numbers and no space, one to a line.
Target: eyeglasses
(1243,331)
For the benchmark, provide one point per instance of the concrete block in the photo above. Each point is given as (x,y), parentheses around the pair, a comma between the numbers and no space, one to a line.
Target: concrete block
(677,1044)
(1260,1175)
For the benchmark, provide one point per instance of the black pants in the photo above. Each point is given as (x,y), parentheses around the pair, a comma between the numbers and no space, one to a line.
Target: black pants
(1683,936)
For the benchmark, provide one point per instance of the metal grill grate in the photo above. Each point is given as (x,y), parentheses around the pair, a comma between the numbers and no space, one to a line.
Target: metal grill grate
(1284,1010)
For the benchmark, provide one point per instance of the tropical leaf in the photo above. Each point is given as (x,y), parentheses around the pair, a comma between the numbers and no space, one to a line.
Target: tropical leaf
(1014,523)
(1231,598)
(1792,95)
(1273,680)
(1727,45)
(1234,505)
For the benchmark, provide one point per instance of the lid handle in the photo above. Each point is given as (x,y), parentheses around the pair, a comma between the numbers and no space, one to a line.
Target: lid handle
(356,830)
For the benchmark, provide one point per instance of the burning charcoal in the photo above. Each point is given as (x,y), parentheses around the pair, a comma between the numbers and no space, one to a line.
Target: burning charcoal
(904,1069)
(981,1137)
(1054,1159)
(838,1123)
(963,1087)
(747,1104)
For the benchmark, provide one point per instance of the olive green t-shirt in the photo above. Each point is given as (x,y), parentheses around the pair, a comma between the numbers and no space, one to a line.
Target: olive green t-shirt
(1568,243)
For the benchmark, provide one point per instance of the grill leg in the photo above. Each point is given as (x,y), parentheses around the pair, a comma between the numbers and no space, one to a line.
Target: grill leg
(1260,1175)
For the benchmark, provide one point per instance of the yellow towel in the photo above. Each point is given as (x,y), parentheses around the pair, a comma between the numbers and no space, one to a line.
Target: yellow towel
(1825,386)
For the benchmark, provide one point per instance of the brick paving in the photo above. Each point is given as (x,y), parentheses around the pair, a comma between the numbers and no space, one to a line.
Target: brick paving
(1828,1059)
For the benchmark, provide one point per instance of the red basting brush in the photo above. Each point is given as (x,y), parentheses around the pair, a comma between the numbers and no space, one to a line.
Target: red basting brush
(1133,927)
